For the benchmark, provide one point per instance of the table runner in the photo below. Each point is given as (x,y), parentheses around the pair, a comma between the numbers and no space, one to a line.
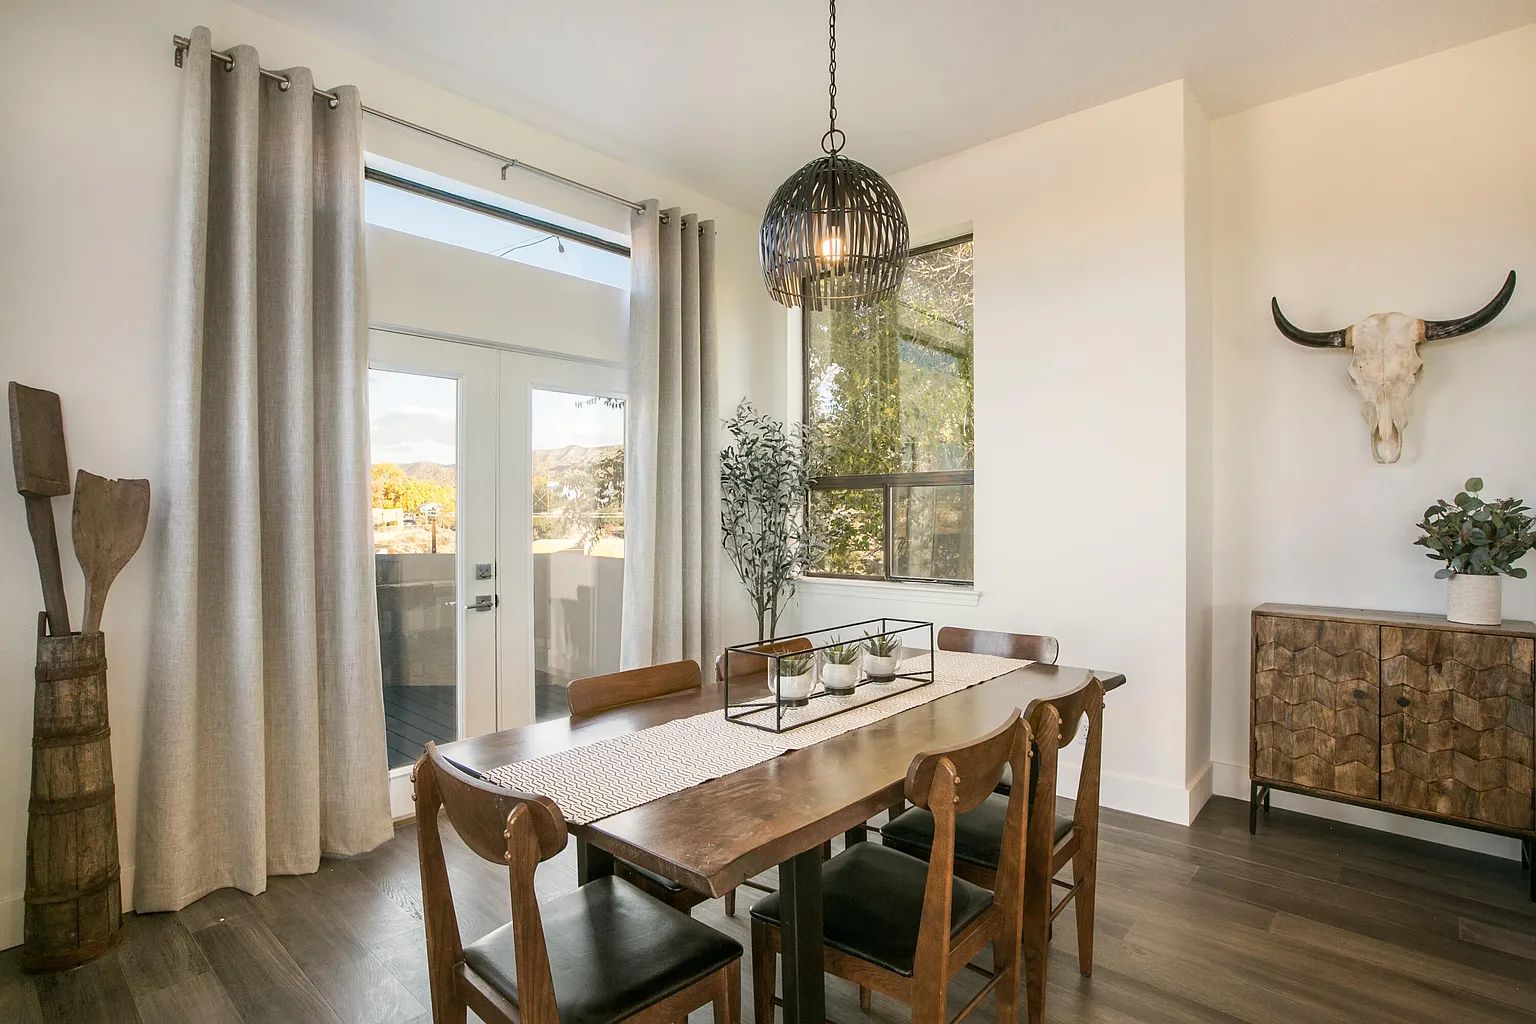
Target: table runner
(605,777)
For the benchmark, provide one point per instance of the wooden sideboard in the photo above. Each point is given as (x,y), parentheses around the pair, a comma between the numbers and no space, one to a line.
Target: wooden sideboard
(1398,711)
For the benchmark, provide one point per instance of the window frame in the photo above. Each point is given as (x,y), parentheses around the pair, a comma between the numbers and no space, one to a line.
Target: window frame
(886,482)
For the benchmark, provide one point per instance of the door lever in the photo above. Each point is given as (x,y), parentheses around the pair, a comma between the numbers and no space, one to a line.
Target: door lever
(484,602)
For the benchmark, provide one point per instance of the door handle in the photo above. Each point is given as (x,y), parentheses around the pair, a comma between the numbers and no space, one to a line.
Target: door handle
(484,603)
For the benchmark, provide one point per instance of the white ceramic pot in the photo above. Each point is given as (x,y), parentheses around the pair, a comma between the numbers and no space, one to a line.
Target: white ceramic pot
(880,669)
(840,679)
(1475,600)
(795,690)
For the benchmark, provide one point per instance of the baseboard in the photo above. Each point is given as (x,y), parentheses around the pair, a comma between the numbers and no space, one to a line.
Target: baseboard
(12,911)
(1136,795)
(1232,780)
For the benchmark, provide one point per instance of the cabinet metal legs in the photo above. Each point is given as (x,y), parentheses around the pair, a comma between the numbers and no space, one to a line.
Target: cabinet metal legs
(1258,794)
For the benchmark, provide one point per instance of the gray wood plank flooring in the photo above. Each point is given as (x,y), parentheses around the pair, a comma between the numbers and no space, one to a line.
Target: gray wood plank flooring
(1310,921)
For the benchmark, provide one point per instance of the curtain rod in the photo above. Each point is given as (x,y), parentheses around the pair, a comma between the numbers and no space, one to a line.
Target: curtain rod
(182,44)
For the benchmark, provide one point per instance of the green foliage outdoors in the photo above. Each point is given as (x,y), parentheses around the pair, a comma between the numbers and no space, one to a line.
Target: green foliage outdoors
(1476,537)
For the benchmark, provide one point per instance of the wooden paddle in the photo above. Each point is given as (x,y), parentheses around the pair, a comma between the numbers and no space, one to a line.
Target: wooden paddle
(110,517)
(42,474)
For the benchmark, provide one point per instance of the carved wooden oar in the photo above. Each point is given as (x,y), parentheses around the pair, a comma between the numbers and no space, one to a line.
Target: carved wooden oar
(110,517)
(42,474)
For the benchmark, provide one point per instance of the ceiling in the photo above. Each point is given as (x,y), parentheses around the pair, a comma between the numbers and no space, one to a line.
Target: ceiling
(729,96)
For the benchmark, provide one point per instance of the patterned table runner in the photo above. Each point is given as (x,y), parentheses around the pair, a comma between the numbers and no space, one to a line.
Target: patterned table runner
(605,777)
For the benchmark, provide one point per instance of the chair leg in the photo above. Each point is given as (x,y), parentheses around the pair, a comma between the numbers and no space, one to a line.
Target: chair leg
(1085,874)
(728,998)
(864,998)
(730,903)
(1006,957)
(762,974)
(1036,948)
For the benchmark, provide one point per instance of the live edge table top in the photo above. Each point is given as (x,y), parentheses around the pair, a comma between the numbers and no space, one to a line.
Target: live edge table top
(713,836)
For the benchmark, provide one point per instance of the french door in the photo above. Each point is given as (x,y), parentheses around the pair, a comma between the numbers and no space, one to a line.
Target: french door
(498,535)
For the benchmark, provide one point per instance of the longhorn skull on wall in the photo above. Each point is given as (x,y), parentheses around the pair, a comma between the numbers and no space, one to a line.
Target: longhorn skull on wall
(1384,362)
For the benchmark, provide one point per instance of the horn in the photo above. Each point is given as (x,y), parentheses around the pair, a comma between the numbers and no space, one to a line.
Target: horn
(1439,330)
(1312,339)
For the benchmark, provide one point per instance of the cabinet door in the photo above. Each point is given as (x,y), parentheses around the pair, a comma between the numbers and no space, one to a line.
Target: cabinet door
(1317,704)
(1456,724)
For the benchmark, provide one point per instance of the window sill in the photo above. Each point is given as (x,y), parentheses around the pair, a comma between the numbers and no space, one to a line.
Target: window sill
(887,590)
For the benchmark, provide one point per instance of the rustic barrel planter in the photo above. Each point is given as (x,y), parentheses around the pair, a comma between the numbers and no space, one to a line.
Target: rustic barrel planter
(73,899)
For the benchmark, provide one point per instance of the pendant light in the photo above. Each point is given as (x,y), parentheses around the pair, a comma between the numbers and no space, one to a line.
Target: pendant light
(834,235)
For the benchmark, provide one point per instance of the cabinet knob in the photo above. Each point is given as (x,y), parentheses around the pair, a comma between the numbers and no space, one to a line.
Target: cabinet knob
(1359,695)
(1403,702)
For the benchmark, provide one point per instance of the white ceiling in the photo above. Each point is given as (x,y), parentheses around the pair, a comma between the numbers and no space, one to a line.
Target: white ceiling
(729,96)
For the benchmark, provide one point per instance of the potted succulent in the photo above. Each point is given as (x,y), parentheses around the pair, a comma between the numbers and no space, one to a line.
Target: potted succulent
(794,682)
(880,654)
(840,667)
(1478,541)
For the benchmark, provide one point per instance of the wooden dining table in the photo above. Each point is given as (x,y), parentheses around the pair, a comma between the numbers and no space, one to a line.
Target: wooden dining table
(713,836)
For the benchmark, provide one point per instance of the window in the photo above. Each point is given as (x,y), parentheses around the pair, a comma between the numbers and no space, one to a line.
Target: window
(888,409)
(417,202)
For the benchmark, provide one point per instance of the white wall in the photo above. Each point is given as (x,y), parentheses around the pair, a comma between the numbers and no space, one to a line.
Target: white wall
(1083,427)
(1410,189)
(89,100)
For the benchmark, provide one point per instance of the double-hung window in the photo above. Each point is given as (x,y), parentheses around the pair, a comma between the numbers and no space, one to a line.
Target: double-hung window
(888,410)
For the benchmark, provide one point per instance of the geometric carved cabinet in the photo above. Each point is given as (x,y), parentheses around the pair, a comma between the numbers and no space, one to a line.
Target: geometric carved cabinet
(1397,711)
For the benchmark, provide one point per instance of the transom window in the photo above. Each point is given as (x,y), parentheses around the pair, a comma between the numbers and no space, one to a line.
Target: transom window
(888,409)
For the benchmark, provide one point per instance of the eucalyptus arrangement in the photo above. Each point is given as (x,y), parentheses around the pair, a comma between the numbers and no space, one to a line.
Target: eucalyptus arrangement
(880,657)
(1478,541)
(840,668)
(765,477)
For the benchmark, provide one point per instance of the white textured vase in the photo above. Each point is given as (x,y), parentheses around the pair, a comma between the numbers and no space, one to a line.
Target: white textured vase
(839,679)
(794,690)
(880,668)
(1475,600)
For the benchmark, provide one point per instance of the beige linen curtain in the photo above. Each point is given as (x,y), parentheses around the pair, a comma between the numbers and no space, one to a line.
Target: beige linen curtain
(264,731)
(671,454)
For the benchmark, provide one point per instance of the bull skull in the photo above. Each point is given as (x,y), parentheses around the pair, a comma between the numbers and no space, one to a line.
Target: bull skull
(1384,361)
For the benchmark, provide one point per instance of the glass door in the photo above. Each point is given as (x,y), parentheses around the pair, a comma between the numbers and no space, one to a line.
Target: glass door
(432,417)
(563,529)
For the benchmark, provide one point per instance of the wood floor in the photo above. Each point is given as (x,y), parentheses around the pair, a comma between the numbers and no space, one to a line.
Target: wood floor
(1308,922)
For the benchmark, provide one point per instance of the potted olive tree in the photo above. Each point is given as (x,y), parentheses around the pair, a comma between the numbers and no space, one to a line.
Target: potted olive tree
(1479,541)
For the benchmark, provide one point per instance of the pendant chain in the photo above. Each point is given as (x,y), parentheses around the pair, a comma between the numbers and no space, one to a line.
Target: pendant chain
(834,138)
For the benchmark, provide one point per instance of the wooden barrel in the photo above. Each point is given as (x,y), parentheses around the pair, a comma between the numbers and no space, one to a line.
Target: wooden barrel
(73,901)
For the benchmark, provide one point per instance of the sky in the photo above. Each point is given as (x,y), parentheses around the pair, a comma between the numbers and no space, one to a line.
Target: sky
(414,418)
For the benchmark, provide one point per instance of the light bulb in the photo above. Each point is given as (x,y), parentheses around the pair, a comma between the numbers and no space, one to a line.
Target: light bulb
(832,248)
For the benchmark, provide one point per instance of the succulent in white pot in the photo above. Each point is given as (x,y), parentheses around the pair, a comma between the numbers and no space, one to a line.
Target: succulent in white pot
(794,681)
(1479,542)
(880,653)
(840,667)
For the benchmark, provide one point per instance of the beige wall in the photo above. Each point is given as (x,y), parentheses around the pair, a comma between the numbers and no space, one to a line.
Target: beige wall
(89,99)
(1410,189)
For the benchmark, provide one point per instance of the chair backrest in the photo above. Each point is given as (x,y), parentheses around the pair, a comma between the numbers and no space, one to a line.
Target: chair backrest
(1085,707)
(745,663)
(519,830)
(1022,646)
(951,782)
(592,694)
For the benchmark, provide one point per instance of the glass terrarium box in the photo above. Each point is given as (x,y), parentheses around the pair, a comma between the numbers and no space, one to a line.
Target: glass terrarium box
(794,680)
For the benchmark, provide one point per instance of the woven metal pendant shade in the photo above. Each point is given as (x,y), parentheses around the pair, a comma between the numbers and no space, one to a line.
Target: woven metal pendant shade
(834,236)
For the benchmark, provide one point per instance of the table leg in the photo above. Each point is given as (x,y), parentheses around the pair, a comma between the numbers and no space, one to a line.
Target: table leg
(591,863)
(804,980)
(857,834)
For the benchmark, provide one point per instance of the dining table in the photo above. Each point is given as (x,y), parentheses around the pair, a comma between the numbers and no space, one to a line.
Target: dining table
(715,835)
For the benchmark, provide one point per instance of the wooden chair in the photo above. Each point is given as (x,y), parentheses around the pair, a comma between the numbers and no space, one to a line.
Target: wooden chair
(595,694)
(1056,841)
(602,954)
(1023,646)
(896,925)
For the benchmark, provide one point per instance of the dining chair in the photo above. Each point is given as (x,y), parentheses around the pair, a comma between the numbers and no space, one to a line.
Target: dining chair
(1019,646)
(1056,840)
(894,924)
(602,954)
(593,695)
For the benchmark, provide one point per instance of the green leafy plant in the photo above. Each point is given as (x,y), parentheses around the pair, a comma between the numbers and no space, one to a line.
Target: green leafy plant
(1476,537)
(884,646)
(843,654)
(794,664)
(765,477)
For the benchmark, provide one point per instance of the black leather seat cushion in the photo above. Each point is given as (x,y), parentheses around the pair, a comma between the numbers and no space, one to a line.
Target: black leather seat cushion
(978,832)
(872,904)
(613,951)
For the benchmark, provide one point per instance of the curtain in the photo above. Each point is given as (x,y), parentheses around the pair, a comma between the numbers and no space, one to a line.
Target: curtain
(671,454)
(264,723)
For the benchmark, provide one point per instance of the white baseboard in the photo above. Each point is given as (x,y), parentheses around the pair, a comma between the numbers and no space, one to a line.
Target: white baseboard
(1232,780)
(1136,795)
(12,911)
